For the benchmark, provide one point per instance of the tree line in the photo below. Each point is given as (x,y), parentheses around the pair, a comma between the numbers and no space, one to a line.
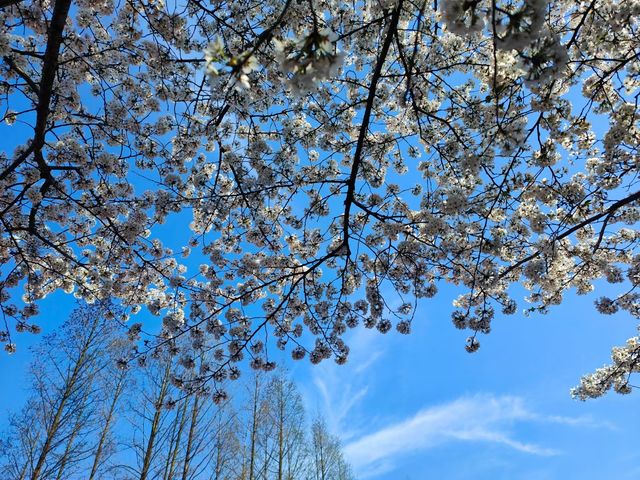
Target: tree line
(89,415)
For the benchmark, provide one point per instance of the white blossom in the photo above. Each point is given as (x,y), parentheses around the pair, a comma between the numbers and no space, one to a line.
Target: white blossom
(281,177)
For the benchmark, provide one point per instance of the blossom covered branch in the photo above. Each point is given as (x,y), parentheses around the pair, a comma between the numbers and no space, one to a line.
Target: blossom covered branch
(322,166)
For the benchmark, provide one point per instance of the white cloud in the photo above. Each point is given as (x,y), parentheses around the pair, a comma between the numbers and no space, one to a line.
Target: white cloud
(340,394)
(479,418)
(336,391)
(337,405)
(581,421)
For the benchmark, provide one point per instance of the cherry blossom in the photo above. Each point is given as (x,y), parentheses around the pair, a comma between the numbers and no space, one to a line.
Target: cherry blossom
(320,166)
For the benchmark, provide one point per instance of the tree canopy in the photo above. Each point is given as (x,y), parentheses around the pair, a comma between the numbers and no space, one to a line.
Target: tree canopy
(89,416)
(335,161)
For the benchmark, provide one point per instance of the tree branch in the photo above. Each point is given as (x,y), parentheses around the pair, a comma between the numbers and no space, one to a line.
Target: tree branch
(594,218)
(47,79)
(49,69)
(364,127)
(8,3)
(22,74)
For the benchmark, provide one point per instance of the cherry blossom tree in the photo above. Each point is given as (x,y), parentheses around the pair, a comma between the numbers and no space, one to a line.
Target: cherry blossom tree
(336,162)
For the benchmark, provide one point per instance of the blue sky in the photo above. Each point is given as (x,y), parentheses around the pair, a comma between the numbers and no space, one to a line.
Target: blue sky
(421,407)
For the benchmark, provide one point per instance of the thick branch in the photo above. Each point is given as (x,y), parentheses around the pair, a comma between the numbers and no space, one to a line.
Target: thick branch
(8,3)
(22,74)
(47,79)
(21,158)
(366,119)
(49,69)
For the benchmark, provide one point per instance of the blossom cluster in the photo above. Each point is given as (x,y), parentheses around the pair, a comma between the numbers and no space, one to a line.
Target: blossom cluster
(263,175)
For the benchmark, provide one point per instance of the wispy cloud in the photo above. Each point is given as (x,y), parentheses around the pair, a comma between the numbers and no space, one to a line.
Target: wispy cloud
(374,445)
(337,391)
(337,405)
(479,418)
(580,421)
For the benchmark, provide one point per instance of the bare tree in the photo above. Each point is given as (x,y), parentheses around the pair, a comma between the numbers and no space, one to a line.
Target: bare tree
(115,382)
(202,423)
(73,420)
(152,414)
(327,461)
(54,433)
(255,408)
(286,416)
(227,452)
